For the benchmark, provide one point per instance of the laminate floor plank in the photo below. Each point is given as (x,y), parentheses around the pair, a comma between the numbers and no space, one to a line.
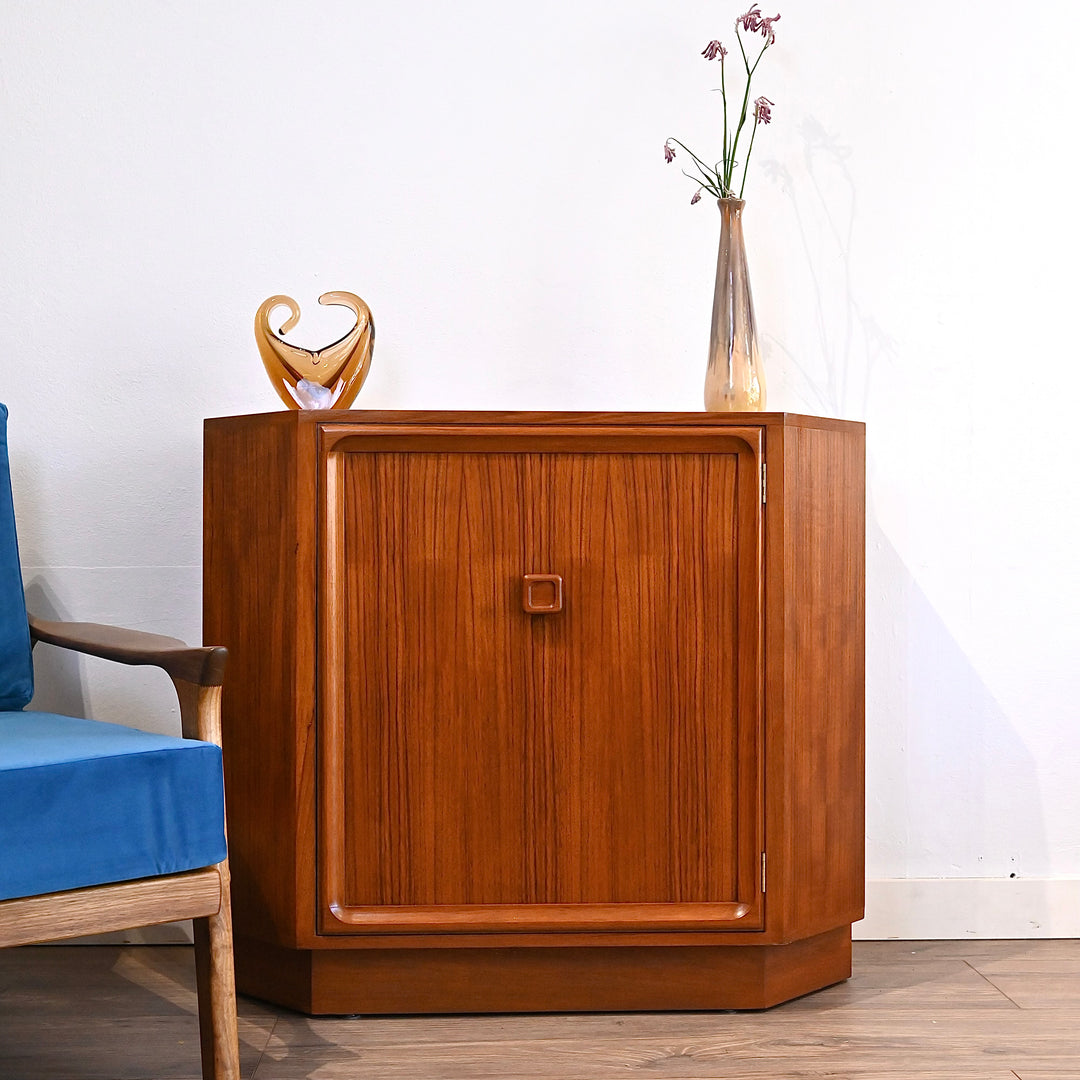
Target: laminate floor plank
(326,1068)
(1046,975)
(759,1045)
(912,1011)
(1039,989)
(980,951)
(938,1025)
(95,1012)
(96,1049)
(1028,965)
(903,984)
(760,1064)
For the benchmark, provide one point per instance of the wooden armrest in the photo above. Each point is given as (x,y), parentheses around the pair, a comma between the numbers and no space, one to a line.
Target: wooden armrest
(201,666)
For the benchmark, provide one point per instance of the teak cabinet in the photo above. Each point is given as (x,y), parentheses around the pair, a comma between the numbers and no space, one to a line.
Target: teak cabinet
(539,711)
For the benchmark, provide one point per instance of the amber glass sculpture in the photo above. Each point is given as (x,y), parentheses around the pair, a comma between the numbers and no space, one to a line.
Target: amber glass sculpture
(734,380)
(329,378)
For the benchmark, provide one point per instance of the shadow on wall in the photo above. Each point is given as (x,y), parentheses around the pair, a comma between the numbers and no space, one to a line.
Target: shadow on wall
(952,790)
(59,678)
(850,343)
(123,552)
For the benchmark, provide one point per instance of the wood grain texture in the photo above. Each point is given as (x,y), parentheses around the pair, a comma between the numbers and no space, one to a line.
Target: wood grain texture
(200,711)
(431,680)
(55,916)
(259,601)
(449,422)
(1058,988)
(636,786)
(643,978)
(815,676)
(216,984)
(202,666)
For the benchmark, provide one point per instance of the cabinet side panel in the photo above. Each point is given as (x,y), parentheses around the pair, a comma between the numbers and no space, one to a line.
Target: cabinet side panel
(824,633)
(258,601)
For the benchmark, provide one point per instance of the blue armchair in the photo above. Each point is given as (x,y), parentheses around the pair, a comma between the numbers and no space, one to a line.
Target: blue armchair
(103,827)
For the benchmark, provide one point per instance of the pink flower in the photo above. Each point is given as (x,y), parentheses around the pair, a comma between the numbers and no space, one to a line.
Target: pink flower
(713,50)
(750,21)
(669,154)
(697,197)
(763,110)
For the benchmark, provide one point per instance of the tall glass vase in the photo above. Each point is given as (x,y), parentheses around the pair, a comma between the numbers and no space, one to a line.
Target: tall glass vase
(734,380)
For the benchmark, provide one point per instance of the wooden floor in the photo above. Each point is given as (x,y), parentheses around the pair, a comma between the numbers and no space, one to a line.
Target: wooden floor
(1007,1010)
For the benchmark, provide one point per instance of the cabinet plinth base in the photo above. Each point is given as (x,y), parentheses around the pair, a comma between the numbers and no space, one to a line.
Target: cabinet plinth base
(614,979)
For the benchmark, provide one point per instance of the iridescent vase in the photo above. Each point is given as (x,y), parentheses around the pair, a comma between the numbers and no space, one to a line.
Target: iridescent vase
(734,380)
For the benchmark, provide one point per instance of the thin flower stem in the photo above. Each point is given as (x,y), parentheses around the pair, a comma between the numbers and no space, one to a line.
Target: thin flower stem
(723,94)
(711,178)
(758,60)
(738,132)
(730,163)
(686,148)
(709,185)
(738,38)
(742,116)
(750,150)
(702,167)
(708,179)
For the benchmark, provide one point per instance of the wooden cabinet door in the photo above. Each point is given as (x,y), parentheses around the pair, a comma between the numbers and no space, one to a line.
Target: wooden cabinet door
(486,768)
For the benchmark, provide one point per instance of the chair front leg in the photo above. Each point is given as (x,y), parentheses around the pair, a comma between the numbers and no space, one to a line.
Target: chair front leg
(200,718)
(216,985)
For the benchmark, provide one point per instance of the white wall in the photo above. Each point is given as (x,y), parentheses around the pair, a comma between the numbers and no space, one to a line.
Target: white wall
(489,177)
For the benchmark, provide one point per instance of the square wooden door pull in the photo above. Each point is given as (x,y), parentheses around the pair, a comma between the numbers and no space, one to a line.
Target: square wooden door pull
(542,594)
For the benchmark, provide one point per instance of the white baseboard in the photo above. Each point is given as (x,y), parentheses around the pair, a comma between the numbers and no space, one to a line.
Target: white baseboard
(919,909)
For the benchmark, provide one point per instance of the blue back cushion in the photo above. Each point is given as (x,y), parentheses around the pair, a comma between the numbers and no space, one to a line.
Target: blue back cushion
(16,668)
(87,803)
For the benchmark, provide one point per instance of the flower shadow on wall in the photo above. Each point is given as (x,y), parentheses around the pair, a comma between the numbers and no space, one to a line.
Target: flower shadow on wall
(852,346)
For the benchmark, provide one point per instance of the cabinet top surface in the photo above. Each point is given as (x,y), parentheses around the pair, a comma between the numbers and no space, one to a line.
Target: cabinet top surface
(444,417)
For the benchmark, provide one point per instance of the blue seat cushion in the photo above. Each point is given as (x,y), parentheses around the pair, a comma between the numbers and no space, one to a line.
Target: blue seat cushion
(86,803)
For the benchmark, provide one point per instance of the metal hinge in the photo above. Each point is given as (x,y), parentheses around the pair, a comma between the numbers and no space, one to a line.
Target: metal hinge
(763,481)
(763,871)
